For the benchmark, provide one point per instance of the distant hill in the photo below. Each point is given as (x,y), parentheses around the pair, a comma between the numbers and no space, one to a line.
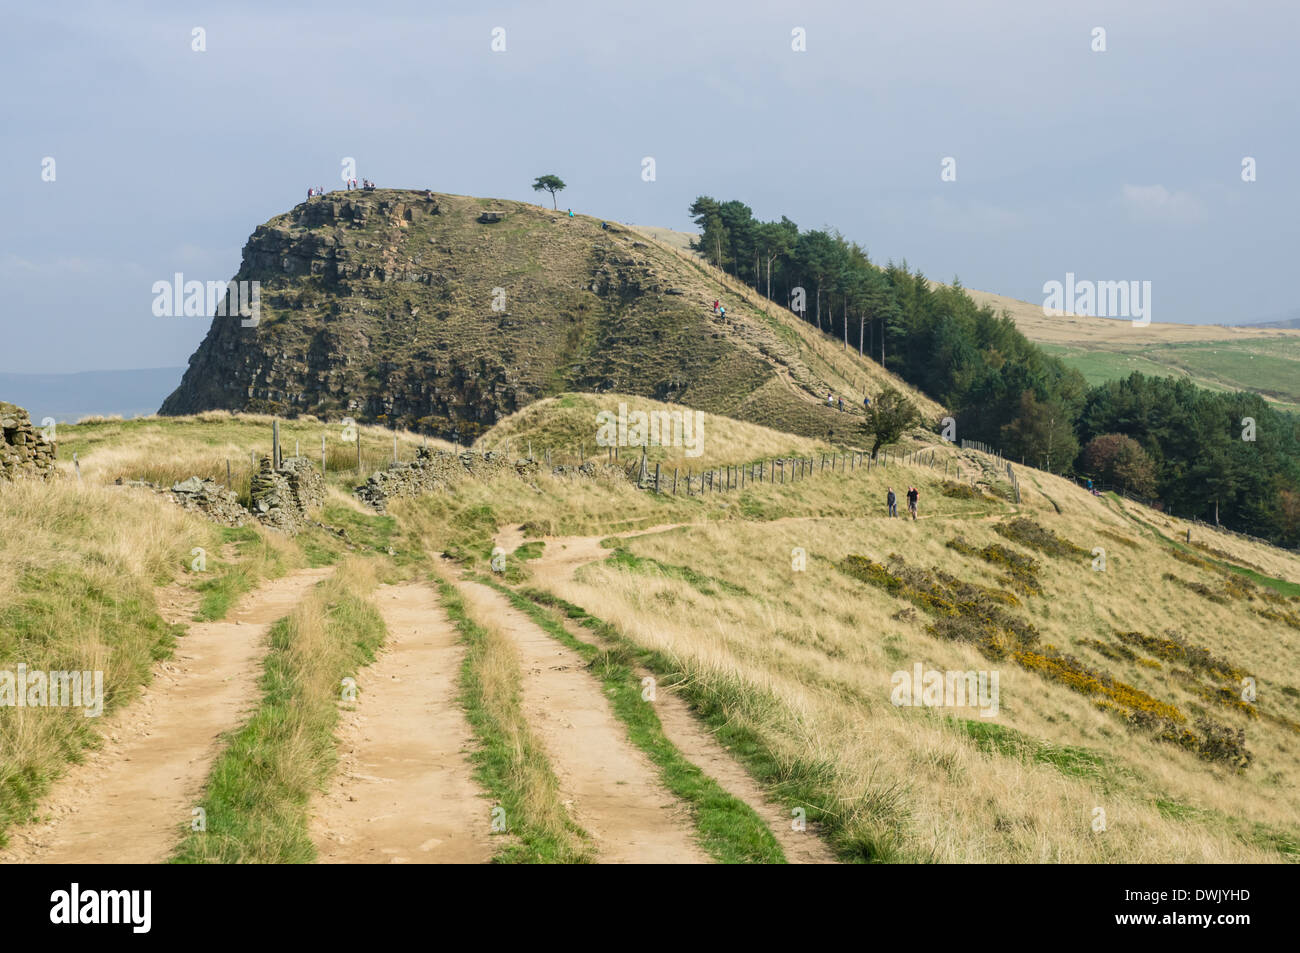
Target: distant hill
(1291,320)
(444,313)
(68,397)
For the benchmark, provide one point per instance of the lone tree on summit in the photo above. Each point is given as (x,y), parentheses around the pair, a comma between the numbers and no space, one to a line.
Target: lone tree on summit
(549,183)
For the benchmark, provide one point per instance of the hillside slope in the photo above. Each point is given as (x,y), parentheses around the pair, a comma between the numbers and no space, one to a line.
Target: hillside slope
(414,309)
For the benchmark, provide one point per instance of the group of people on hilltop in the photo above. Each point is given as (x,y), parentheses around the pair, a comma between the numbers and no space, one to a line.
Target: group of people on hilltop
(913,501)
(352,184)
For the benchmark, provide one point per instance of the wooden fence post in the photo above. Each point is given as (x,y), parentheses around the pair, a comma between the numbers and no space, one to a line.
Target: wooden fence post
(674,481)
(275,444)
(322,454)
(656,478)
(228,473)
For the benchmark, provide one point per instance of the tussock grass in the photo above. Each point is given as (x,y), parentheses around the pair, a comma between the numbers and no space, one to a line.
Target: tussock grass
(258,794)
(78,567)
(567,425)
(165,450)
(804,661)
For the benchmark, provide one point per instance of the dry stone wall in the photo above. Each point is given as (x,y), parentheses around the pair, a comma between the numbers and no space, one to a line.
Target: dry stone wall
(24,451)
(282,498)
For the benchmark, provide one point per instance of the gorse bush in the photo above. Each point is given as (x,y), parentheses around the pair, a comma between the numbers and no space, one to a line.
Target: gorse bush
(1028,533)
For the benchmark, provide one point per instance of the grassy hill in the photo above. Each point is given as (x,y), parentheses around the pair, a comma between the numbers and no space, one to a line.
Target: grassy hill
(414,309)
(1263,359)
(1121,691)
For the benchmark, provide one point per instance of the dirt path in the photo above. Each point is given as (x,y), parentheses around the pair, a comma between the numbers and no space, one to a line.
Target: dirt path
(611,789)
(403,792)
(128,802)
(561,556)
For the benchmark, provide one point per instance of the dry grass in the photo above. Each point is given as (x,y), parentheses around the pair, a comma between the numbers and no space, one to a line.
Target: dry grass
(78,570)
(833,365)
(258,792)
(567,426)
(165,450)
(804,660)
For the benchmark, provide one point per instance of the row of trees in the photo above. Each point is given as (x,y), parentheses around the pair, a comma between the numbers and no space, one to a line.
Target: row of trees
(1190,447)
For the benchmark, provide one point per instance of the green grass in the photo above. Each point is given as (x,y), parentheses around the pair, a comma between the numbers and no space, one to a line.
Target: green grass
(703,583)
(1283,586)
(503,754)
(258,793)
(727,827)
(1265,836)
(868,830)
(1071,761)
(128,625)
(255,561)
(1267,366)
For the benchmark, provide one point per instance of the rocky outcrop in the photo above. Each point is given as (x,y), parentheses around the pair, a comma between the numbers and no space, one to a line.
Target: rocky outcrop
(24,451)
(441,314)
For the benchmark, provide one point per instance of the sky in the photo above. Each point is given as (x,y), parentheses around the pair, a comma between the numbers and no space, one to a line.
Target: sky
(1115,165)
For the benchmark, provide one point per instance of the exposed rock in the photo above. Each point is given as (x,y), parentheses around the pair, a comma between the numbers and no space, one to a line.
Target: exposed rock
(282,498)
(24,451)
(208,498)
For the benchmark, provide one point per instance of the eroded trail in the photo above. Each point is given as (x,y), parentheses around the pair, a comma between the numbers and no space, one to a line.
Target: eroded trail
(561,557)
(403,792)
(129,801)
(611,789)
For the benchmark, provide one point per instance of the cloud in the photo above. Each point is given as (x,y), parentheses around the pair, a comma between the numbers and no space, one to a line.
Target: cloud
(1156,204)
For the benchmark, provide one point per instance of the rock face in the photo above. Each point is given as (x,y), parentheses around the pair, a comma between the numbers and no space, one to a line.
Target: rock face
(24,451)
(441,314)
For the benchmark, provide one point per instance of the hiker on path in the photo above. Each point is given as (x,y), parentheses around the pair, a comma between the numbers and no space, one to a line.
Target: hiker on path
(866,402)
(913,496)
(830,399)
(722,312)
(892,500)
(715,305)
(841,405)
(570,213)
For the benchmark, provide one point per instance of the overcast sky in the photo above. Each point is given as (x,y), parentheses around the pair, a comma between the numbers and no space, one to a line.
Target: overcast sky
(1116,165)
